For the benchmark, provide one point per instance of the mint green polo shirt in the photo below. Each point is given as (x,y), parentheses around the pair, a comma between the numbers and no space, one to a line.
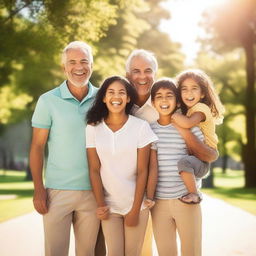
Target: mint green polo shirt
(60,112)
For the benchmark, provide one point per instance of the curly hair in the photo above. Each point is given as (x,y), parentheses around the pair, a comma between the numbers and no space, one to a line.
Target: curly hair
(99,110)
(211,98)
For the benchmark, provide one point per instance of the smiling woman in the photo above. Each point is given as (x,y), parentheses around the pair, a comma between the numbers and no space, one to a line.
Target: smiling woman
(183,26)
(118,147)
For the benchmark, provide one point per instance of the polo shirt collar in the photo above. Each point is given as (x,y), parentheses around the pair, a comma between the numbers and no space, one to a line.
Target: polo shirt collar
(66,94)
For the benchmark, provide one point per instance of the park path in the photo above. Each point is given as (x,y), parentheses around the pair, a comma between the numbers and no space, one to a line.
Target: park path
(227,231)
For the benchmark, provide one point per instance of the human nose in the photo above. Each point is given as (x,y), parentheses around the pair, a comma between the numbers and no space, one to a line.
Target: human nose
(164,98)
(78,65)
(142,75)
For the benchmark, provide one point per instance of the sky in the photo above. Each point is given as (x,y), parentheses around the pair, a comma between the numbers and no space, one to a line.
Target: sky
(183,27)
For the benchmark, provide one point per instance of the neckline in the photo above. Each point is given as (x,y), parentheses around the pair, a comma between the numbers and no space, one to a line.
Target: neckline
(119,130)
(170,124)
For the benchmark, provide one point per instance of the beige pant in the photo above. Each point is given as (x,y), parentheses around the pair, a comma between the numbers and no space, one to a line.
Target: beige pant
(171,215)
(67,207)
(122,240)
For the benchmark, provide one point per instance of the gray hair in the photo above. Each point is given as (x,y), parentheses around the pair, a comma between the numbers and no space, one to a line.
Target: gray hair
(143,54)
(77,45)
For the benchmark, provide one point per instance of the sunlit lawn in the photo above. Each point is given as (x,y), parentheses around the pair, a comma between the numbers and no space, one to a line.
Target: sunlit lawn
(230,188)
(15,194)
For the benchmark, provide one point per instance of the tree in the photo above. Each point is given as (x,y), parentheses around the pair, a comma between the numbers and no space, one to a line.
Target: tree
(32,32)
(233,25)
(137,27)
(168,53)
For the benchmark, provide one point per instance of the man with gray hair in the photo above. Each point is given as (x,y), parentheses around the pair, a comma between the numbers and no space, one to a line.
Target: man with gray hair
(58,122)
(141,69)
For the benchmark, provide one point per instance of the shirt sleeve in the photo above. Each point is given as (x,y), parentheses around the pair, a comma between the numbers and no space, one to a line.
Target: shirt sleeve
(197,132)
(153,146)
(41,117)
(146,135)
(201,107)
(90,136)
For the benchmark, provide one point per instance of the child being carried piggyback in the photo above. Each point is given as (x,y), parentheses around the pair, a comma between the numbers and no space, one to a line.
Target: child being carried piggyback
(201,107)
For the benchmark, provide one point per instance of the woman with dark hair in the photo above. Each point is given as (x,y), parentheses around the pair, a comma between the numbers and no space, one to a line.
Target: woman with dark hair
(99,109)
(118,147)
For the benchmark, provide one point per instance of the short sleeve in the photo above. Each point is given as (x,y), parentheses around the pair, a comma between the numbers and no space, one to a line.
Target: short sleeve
(154,146)
(201,107)
(197,132)
(146,135)
(41,117)
(90,136)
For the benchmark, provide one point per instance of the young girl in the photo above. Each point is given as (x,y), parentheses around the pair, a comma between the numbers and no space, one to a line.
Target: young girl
(118,147)
(165,185)
(200,107)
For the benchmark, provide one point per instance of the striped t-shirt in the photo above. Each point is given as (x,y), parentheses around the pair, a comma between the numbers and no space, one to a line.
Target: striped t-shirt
(170,148)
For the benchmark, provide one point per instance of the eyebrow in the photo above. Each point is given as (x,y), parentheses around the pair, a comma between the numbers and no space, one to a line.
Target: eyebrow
(79,60)
(110,89)
(167,93)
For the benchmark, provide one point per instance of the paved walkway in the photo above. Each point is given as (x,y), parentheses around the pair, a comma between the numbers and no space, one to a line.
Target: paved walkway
(227,231)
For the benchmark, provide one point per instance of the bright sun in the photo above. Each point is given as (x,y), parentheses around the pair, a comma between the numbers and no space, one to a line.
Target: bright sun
(183,26)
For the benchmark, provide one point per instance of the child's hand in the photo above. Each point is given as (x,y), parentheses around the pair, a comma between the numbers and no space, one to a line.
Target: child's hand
(149,203)
(131,219)
(102,212)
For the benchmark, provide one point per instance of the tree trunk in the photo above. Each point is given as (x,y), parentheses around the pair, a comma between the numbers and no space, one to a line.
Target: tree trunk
(28,174)
(224,163)
(250,147)
(208,182)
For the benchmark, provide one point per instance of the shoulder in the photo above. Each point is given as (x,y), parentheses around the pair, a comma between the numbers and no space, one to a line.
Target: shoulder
(93,89)
(50,94)
(94,128)
(201,107)
(154,125)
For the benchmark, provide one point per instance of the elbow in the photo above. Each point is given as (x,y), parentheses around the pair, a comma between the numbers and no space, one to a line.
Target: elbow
(209,156)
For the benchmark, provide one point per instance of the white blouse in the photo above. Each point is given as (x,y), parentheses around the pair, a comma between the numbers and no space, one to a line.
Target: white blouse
(117,152)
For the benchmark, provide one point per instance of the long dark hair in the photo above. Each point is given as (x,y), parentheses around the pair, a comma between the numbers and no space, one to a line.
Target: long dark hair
(99,110)
(211,98)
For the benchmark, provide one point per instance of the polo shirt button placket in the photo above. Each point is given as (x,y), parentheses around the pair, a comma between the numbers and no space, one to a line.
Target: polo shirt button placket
(81,111)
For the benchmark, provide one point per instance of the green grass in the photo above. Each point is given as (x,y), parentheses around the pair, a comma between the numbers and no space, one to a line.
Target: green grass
(15,194)
(230,188)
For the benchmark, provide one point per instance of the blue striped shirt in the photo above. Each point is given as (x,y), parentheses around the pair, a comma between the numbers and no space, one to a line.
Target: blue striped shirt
(170,148)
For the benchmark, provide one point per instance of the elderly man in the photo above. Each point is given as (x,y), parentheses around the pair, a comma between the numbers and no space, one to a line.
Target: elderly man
(58,122)
(141,69)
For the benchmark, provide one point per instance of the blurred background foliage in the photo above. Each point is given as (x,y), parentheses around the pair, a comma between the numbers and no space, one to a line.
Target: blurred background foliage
(33,33)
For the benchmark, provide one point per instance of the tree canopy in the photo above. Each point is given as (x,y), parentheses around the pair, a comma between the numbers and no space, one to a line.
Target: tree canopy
(33,32)
(231,26)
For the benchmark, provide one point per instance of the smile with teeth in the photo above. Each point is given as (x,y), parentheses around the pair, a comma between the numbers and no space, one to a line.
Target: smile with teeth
(142,83)
(164,107)
(116,103)
(79,73)
(190,99)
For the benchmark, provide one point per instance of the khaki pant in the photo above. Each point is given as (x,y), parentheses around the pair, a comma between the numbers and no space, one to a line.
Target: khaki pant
(64,208)
(171,215)
(122,240)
